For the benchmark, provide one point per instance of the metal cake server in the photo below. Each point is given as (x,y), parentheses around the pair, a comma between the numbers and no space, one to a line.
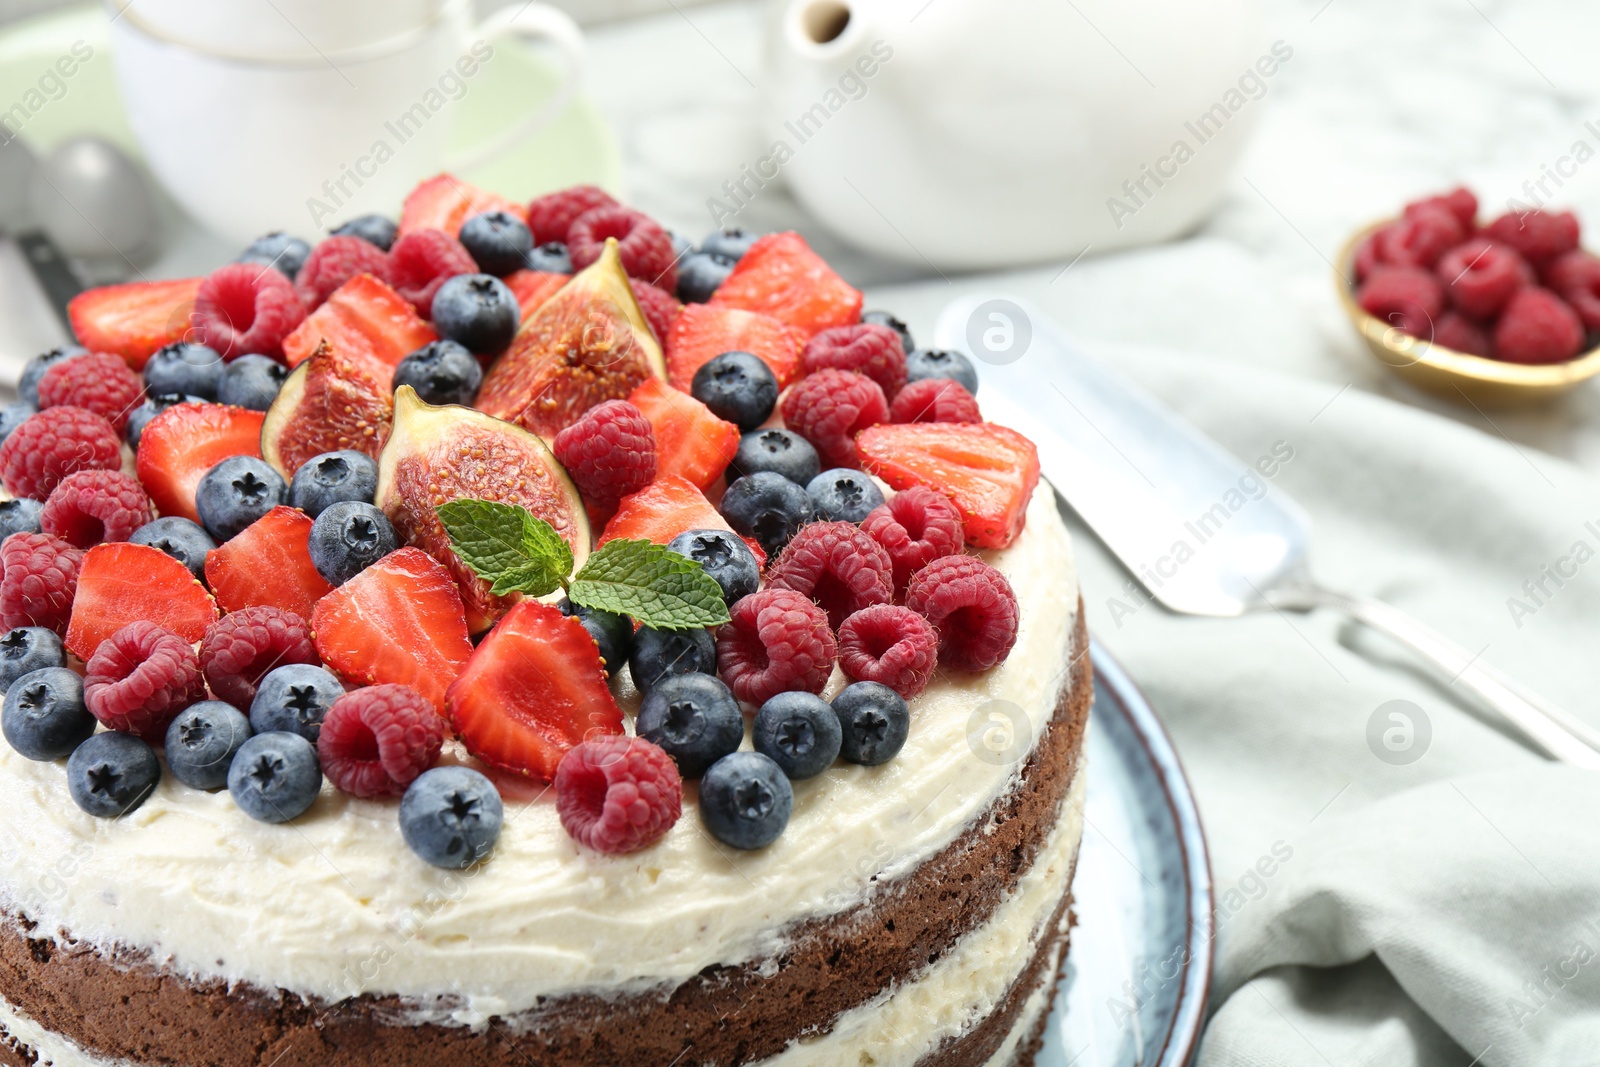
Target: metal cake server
(1184,516)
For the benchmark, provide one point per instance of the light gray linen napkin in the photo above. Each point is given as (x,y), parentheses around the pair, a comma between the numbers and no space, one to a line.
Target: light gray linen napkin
(1399,880)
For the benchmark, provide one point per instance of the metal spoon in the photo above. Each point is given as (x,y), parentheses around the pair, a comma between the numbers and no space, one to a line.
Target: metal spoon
(94,202)
(50,268)
(1142,478)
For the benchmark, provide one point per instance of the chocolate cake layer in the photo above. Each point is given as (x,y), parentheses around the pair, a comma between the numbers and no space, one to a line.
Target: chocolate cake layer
(121,1006)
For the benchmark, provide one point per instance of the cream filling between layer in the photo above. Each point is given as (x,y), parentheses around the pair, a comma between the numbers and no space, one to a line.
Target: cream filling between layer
(334,905)
(967,984)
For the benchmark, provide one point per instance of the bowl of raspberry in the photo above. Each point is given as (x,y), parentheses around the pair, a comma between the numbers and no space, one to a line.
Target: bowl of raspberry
(1503,312)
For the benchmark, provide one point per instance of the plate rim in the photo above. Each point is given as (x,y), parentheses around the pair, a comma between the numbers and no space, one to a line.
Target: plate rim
(1182,1040)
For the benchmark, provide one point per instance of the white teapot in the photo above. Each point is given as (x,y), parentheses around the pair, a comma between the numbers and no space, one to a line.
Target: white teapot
(981,133)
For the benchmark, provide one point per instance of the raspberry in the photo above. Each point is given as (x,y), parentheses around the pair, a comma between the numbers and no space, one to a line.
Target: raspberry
(96,382)
(777,641)
(838,566)
(618,794)
(1419,239)
(1408,298)
(829,408)
(378,740)
(53,444)
(332,263)
(246,308)
(90,507)
(1456,331)
(1537,326)
(241,648)
(1480,275)
(971,605)
(610,452)
(864,347)
(645,248)
(1366,259)
(421,262)
(1576,277)
(38,577)
(140,678)
(934,400)
(915,526)
(1460,202)
(890,645)
(552,215)
(660,307)
(1539,235)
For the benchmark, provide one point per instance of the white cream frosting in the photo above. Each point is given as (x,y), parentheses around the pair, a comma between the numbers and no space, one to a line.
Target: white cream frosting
(334,904)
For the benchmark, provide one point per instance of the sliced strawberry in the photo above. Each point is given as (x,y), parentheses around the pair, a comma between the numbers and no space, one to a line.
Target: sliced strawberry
(183,442)
(122,582)
(690,441)
(445,202)
(666,508)
(988,471)
(533,690)
(704,331)
(780,276)
(133,320)
(268,563)
(533,287)
(400,620)
(364,320)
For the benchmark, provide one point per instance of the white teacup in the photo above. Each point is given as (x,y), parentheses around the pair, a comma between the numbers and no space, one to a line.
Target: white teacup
(261,115)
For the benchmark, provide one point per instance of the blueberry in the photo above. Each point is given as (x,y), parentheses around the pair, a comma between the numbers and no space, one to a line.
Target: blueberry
(738,387)
(251,382)
(730,241)
(110,774)
(44,717)
(294,698)
(498,242)
(779,451)
(700,274)
(843,495)
(551,257)
(681,245)
(27,649)
(940,363)
(768,507)
(183,540)
(14,415)
(612,632)
(723,556)
(347,538)
(235,493)
(745,800)
(33,370)
(202,741)
(658,654)
(278,250)
(478,311)
(694,718)
(275,777)
(875,721)
(332,477)
(19,516)
(184,368)
(799,732)
(884,318)
(451,816)
(373,229)
(153,405)
(442,372)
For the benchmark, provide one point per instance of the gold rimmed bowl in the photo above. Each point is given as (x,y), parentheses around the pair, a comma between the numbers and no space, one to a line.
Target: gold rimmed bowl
(1444,371)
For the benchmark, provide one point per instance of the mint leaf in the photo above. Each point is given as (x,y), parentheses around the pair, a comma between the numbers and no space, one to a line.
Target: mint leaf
(507,546)
(659,588)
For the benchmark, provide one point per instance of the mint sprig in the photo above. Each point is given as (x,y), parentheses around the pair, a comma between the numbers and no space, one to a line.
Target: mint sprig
(517,552)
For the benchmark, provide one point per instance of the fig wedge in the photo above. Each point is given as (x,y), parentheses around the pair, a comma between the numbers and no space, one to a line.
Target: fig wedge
(332,401)
(588,343)
(438,454)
